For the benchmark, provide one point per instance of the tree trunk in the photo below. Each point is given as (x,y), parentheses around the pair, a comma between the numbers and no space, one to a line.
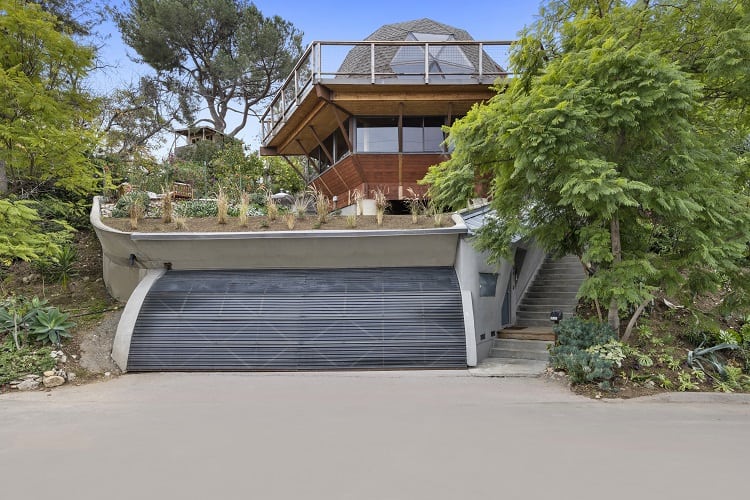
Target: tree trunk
(3,179)
(614,228)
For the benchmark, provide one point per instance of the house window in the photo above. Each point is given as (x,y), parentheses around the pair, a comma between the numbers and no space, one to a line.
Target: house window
(377,134)
(487,284)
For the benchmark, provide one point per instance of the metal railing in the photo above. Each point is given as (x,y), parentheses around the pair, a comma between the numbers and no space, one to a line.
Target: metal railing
(386,62)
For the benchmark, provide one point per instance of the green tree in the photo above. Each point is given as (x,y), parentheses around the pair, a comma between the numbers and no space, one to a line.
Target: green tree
(45,138)
(618,142)
(224,53)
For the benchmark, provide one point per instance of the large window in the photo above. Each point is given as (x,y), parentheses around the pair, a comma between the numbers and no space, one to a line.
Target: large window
(377,134)
(423,134)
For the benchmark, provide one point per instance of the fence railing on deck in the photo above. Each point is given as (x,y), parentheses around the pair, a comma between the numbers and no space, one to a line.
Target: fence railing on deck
(386,62)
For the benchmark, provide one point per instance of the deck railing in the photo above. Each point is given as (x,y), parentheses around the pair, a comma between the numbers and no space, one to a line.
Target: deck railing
(370,62)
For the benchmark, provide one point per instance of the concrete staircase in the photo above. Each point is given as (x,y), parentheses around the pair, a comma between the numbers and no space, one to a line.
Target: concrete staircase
(522,349)
(554,288)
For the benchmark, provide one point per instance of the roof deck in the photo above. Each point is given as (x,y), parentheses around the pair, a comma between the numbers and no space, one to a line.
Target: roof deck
(334,80)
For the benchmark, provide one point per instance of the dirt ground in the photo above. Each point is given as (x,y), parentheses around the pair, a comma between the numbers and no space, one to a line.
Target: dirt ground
(262,224)
(95,313)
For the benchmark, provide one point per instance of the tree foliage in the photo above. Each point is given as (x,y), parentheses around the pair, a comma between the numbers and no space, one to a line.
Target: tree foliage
(45,138)
(224,53)
(619,141)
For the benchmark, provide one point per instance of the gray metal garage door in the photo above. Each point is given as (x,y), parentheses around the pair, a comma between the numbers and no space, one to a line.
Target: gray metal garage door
(307,319)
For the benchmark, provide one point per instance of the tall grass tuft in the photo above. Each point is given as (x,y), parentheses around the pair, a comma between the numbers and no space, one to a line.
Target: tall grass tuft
(381,204)
(301,204)
(290,219)
(244,207)
(351,221)
(222,206)
(436,212)
(322,204)
(136,211)
(272,208)
(415,204)
(167,205)
(357,196)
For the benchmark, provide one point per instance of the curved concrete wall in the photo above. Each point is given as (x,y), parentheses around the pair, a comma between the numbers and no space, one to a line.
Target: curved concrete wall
(267,250)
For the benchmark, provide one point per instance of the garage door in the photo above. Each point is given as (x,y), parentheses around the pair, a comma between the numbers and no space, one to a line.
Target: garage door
(307,319)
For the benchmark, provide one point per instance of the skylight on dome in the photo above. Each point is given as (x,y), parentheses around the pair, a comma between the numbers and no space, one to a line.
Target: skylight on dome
(443,59)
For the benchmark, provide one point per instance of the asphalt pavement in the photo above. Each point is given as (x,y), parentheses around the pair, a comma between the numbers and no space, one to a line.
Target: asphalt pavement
(360,435)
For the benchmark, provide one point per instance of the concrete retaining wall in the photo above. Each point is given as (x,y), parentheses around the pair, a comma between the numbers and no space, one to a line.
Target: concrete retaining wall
(127,257)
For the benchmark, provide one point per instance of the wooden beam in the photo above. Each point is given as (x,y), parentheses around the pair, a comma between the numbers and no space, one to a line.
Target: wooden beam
(343,129)
(320,178)
(322,146)
(294,167)
(301,126)
(266,151)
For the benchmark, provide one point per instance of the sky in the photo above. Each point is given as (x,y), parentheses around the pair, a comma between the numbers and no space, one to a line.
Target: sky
(340,20)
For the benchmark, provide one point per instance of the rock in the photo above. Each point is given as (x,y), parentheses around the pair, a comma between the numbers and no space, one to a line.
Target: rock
(650,384)
(49,373)
(74,356)
(71,376)
(53,381)
(28,385)
(63,358)
(107,374)
(31,376)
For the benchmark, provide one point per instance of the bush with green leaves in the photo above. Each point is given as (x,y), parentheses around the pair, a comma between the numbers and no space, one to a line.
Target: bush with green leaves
(23,235)
(24,320)
(15,363)
(122,207)
(51,326)
(582,334)
(197,208)
(61,266)
(586,350)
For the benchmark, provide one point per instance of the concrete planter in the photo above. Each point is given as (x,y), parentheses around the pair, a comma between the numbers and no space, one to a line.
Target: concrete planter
(127,257)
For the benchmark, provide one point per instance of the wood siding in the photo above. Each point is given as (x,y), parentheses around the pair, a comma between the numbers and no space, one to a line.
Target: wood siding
(388,172)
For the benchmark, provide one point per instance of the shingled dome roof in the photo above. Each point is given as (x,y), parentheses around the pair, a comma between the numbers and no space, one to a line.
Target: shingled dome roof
(443,60)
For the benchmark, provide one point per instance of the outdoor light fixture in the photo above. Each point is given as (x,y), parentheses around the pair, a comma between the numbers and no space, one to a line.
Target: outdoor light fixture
(556,316)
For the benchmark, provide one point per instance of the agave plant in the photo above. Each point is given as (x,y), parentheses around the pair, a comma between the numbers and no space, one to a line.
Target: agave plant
(51,326)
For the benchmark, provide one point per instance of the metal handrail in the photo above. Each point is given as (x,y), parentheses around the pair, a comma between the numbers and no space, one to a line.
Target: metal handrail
(309,70)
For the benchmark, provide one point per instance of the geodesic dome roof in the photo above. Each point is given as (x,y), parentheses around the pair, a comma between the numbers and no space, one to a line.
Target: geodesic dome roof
(442,59)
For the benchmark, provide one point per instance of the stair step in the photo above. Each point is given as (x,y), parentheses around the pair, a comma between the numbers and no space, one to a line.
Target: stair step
(519,354)
(533,322)
(538,333)
(559,297)
(554,289)
(556,279)
(521,345)
(559,306)
(521,315)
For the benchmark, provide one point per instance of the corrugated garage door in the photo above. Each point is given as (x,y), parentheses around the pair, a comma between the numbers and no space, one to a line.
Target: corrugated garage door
(309,319)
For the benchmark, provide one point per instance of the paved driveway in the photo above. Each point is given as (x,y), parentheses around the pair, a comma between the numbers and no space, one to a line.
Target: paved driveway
(390,435)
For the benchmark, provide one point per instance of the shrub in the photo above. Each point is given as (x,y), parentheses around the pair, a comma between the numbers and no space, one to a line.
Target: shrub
(582,334)
(50,326)
(197,208)
(126,201)
(25,318)
(586,350)
(16,363)
(583,366)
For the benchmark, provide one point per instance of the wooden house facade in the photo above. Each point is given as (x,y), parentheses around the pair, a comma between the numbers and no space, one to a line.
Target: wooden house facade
(369,114)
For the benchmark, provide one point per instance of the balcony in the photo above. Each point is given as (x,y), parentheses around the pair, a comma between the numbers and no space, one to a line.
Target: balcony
(448,68)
